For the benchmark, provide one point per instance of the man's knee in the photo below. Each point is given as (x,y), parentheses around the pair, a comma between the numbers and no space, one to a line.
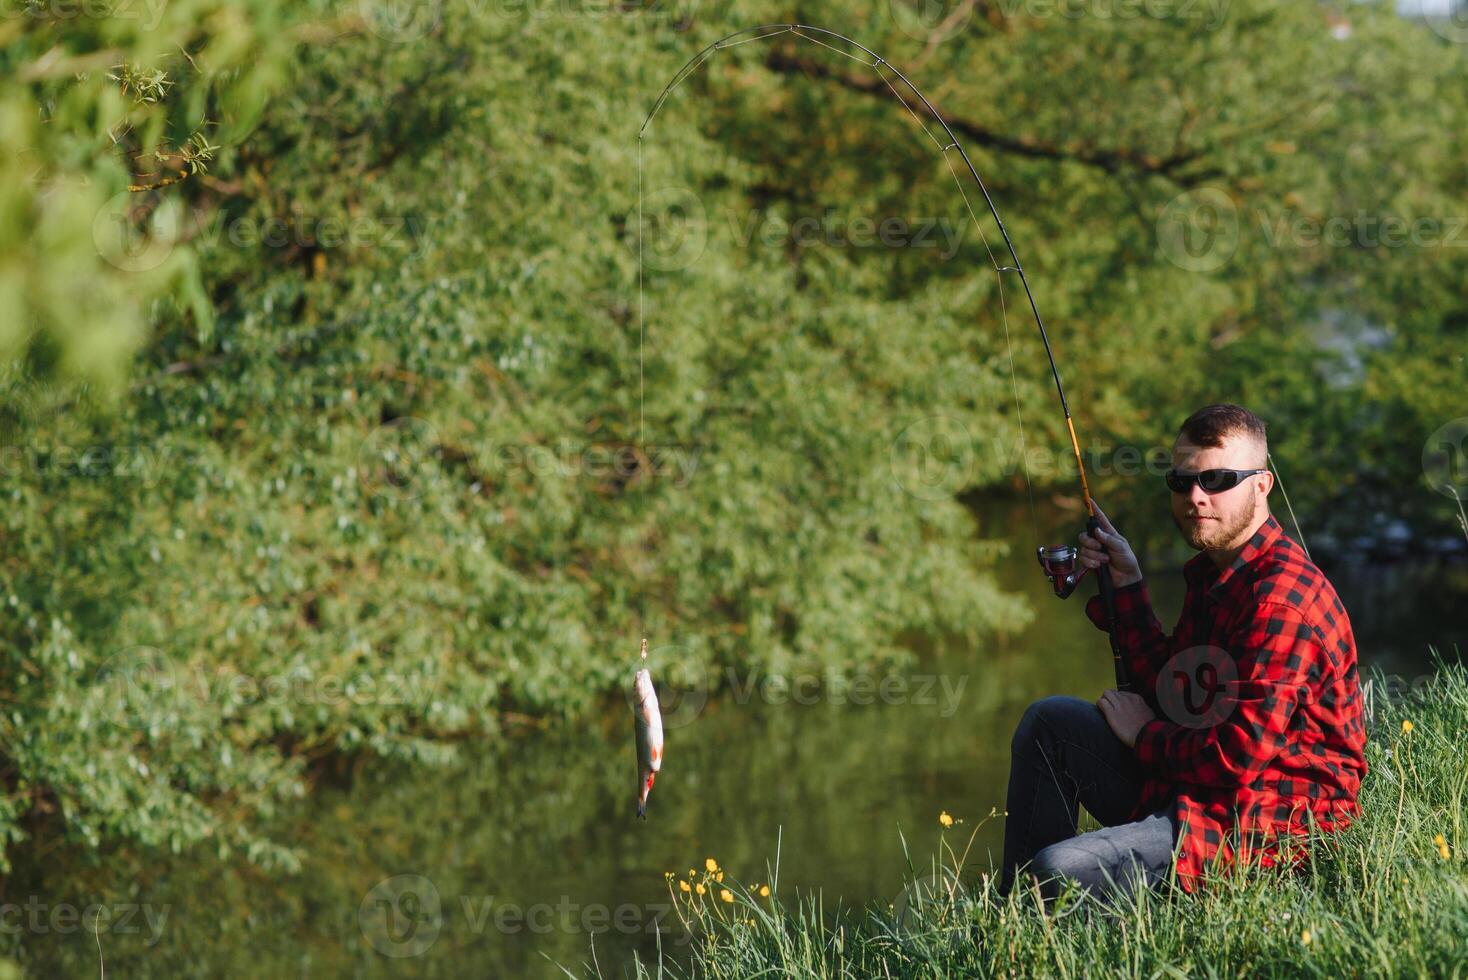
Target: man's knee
(1061,860)
(1041,717)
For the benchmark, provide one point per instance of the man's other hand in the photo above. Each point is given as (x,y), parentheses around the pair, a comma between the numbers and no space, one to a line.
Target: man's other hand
(1126,713)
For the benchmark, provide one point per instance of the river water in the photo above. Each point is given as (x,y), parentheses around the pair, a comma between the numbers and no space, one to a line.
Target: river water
(527,854)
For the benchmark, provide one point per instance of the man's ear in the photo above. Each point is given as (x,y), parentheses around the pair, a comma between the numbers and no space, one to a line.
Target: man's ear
(1268,476)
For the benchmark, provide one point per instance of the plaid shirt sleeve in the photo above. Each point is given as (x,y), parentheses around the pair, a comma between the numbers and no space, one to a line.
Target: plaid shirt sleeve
(1276,654)
(1144,645)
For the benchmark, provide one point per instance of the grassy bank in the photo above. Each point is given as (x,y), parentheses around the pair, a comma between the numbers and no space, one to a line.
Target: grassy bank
(1389,896)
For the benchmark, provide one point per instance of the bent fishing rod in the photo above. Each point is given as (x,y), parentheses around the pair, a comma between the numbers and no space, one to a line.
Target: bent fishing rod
(1057,561)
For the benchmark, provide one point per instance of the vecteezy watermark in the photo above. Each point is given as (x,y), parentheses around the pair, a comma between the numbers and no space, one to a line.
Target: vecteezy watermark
(1445,459)
(1448,19)
(924,19)
(941,19)
(138,685)
(1200,230)
(403,916)
(674,231)
(681,680)
(684,689)
(402,21)
(139,463)
(932,458)
(35,916)
(832,229)
(933,900)
(399,458)
(1209,14)
(1393,692)
(936,456)
(1198,687)
(598,462)
(148,13)
(835,687)
(137,235)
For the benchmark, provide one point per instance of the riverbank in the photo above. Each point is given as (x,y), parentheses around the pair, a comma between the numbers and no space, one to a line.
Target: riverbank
(1387,897)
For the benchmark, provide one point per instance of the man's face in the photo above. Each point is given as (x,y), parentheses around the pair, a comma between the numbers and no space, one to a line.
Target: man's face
(1220,521)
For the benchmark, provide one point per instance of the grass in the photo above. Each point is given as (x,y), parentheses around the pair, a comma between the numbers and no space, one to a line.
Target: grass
(1386,897)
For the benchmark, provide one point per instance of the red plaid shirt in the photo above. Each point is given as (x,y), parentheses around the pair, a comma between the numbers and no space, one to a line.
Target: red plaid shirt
(1259,727)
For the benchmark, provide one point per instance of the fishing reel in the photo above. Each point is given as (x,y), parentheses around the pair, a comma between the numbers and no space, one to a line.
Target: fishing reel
(1061,568)
(1059,563)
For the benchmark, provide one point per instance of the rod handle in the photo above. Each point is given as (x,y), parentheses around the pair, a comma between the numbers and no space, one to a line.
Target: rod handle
(1107,590)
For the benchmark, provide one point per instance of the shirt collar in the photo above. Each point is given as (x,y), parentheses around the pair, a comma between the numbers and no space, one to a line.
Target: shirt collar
(1200,572)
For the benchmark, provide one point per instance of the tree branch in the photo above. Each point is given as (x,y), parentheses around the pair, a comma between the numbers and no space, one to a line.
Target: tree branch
(1112,160)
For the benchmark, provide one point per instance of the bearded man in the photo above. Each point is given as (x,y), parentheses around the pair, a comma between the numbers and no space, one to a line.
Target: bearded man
(1244,727)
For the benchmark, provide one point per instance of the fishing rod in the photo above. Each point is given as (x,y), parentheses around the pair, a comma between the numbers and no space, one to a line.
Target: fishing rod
(1057,561)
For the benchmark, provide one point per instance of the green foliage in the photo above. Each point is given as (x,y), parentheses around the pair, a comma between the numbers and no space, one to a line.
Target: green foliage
(398,467)
(96,102)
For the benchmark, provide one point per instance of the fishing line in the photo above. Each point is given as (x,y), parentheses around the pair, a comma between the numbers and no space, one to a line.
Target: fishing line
(1298,533)
(877,63)
(1008,346)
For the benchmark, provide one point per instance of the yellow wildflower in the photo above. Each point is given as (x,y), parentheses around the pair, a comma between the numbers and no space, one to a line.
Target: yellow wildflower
(1305,937)
(691,872)
(945,819)
(683,886)
(711,864)
(699,888)
(1406,727)
(764,891)
(1442,846)
(719,876)
(726,894)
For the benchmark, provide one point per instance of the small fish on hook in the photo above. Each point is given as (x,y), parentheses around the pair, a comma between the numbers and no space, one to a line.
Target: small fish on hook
(648,725)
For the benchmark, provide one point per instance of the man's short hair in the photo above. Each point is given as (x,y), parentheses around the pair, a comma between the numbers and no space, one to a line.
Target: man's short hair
(1212,424)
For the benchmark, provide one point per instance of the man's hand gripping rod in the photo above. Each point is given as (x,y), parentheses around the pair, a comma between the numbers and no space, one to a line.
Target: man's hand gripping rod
(1059,563)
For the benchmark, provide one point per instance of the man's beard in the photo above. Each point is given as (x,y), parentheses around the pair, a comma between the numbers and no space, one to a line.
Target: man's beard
(1211,536)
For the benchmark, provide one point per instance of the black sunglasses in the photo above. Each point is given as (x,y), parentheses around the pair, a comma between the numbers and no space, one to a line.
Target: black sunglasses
(1212,481)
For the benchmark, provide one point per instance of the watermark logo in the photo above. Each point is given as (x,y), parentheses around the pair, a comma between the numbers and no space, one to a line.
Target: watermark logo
(933,458)
(401,916)
(401,20)
(1448,19)
(1209,14)
(398,458)
(682,683)
(674,229)
(606,464)
(1198,231)
(133,239)
(37,917)
(835,230)
(934,899)
(138,684)
(1445,459)
(923,19)
(1198,687)
(861,689)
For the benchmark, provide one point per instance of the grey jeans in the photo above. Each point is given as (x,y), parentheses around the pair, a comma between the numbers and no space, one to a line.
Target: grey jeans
(1064,755)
